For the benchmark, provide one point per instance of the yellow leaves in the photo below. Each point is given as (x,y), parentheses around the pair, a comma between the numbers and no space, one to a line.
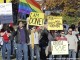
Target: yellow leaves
(65,5)
(50,3)
(72,10)
(65,1)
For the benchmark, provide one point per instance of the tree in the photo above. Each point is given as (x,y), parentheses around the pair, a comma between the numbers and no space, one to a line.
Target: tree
(68,7)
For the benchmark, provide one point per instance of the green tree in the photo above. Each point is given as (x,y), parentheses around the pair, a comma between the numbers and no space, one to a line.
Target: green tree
(68,7)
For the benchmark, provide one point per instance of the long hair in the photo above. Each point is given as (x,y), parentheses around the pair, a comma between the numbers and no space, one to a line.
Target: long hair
(5,28)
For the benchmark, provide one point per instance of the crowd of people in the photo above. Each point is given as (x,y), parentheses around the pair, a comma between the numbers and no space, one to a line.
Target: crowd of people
(26,42)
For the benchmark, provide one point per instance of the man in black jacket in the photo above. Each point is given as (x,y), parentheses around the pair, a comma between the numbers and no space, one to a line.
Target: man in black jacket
(22,39)
(43,43)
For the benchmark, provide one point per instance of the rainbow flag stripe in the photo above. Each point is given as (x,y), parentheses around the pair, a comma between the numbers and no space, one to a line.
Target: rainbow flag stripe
(27,6)
(32,2)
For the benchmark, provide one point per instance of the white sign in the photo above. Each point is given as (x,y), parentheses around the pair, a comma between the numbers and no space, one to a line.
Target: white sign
(6,13)
(59,47)
(5,9)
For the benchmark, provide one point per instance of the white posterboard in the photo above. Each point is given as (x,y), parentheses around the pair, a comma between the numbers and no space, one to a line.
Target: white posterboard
(6,13)
(59,47)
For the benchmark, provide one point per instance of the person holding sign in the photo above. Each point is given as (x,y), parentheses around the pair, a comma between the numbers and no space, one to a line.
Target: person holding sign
(22,39)
(61,38)
(34,44)
(72,41)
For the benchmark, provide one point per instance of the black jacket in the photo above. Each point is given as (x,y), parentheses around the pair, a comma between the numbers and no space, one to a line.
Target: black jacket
(43,42)
(17,35)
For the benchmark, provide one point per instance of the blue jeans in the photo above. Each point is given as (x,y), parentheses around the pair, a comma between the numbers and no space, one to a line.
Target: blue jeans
(72,55)
(6,46)
(12,47)
(19,53)
(37,52)
(59,57)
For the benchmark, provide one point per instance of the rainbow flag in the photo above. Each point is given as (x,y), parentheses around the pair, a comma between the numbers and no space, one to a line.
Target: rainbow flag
(27,6)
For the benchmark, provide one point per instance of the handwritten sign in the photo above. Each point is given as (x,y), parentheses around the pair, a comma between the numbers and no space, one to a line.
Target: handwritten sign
(59,47)
(6,13)
(7,1)
(36,19)
(55,23)
(1,1)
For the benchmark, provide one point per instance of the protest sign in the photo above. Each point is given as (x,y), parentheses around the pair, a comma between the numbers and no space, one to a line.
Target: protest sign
(7,1)
(59,47)
(36,19)
(55,23)
(6,13)
(1,1)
